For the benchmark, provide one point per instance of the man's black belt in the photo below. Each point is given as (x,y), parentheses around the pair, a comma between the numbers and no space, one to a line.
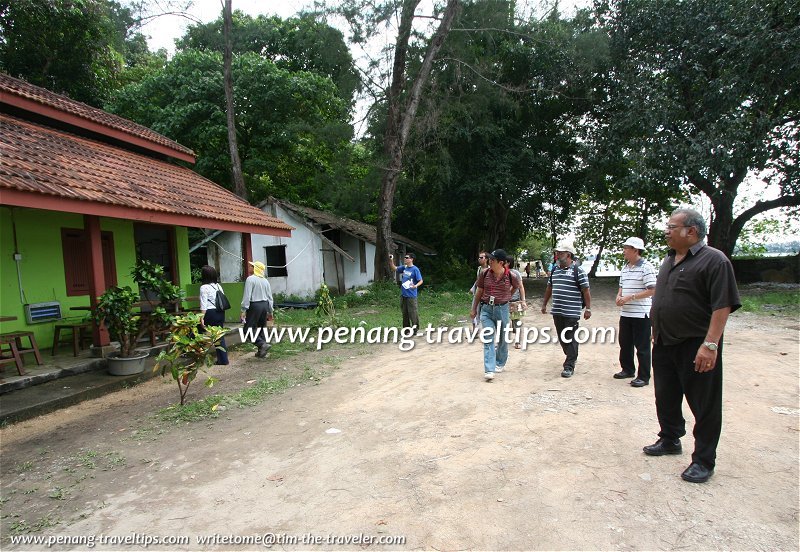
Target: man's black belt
(496,304)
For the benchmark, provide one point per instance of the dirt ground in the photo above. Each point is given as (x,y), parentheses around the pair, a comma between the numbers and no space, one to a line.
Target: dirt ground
(415,444)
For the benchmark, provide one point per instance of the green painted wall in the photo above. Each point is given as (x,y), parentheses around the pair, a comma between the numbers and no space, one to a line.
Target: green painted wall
(38,236)
(182,245)
(234,291)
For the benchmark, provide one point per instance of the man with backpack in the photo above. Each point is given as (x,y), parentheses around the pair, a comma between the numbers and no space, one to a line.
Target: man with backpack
(495,289)
(568,285)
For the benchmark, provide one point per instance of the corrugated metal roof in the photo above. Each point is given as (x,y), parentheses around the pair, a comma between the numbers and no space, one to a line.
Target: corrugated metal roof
(361,230)
(42,161)
(21,89)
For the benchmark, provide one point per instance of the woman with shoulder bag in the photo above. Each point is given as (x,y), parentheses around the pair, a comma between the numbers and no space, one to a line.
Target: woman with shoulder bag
(517,305)
(212,316)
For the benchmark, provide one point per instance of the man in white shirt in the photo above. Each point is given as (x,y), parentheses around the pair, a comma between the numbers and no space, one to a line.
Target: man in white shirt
(637,284)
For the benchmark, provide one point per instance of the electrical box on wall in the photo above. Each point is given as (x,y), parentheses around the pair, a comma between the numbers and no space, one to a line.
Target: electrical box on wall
(42,312)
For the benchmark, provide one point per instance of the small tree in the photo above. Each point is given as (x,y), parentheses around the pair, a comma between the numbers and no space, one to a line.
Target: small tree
(189,352)
(115,308)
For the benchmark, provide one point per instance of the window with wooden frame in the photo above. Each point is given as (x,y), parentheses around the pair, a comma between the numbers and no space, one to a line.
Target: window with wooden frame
(77,260)
(276,261)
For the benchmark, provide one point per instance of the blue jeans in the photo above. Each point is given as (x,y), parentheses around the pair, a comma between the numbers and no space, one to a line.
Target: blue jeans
(494,354)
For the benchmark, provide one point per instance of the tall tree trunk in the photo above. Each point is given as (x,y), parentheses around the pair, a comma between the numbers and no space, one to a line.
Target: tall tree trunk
(644,221)
(399,120)
(496,230)
(603,241)
(236,163)
(720,229)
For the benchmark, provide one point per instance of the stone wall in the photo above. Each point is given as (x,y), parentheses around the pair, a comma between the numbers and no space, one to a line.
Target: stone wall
(768,269)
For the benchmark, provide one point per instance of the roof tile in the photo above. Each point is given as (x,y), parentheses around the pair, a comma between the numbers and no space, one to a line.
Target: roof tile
(22,89)
(40,160)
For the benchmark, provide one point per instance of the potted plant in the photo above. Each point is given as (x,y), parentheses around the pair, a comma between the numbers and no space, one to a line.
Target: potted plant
(116,308)
(189,352)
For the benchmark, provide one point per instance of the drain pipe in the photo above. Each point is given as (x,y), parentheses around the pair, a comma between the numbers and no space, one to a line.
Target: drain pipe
(17,258)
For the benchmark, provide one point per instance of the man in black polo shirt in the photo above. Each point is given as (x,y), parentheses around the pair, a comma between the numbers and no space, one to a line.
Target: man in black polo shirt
(695,293)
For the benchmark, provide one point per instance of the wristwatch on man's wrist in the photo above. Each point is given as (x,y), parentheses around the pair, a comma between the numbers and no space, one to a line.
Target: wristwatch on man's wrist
(710,345)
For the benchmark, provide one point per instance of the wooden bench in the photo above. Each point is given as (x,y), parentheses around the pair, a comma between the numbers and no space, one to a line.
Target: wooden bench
(14,342)
(12,357)
(81,333)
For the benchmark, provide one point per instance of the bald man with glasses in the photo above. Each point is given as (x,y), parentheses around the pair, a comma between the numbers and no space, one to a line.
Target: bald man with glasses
(695,293)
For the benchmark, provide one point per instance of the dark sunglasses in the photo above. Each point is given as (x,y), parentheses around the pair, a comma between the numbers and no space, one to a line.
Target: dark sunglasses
(406,257)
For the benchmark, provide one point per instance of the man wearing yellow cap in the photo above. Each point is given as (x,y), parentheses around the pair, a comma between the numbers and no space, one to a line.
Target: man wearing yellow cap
(257,306)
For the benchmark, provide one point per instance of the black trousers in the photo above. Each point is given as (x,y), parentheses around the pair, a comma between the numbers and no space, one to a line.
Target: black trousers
(634,333)
(216,317)
(256,317)
(674,377)
(568,344)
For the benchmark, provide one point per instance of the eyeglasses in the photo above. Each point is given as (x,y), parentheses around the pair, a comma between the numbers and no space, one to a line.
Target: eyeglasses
(406,257)
(674,226)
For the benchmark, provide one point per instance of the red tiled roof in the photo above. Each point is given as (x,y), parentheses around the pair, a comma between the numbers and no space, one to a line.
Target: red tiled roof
(50,169)
(34,98)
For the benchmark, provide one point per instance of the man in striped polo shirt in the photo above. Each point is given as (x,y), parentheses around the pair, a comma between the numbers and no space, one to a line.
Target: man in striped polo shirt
(568,285)
(637,284)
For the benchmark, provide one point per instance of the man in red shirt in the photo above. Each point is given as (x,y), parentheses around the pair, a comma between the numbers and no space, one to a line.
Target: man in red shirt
(494,291)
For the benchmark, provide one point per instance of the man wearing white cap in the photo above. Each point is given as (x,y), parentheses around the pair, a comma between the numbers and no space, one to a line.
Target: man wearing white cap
(257,306)
(637,284)
(568,285)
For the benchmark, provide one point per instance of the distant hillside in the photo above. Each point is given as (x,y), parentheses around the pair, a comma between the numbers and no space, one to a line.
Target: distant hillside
(787,247)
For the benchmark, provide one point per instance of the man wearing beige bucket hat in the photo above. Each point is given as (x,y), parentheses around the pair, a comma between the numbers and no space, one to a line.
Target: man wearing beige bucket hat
(568,285)
(257,305)
(637,284)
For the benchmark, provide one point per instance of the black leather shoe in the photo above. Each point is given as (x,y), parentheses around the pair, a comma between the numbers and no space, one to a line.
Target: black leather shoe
(623,375)
(663,446)
(567,372)
(639,383)
(697,473)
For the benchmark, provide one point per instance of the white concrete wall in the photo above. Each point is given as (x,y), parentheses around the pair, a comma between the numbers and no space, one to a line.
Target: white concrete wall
(226,255)
(305,272)
(353,277)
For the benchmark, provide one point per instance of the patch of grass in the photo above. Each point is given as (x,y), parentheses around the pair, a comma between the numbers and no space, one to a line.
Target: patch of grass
(114,460)
(380,307)
(44,523)
(87,459)
(19,527)
(770,301)
(59,493)
(25,466)
(211,407)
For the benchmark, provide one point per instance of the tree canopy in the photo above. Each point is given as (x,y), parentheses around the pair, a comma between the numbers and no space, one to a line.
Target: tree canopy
(73,47)
(708,95)
(302,43)
(292,126)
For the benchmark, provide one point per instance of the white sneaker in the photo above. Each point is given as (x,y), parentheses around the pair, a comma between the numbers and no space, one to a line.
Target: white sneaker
(498,369)
(488,376)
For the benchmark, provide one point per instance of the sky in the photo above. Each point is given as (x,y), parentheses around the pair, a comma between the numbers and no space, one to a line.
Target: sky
(163,31)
